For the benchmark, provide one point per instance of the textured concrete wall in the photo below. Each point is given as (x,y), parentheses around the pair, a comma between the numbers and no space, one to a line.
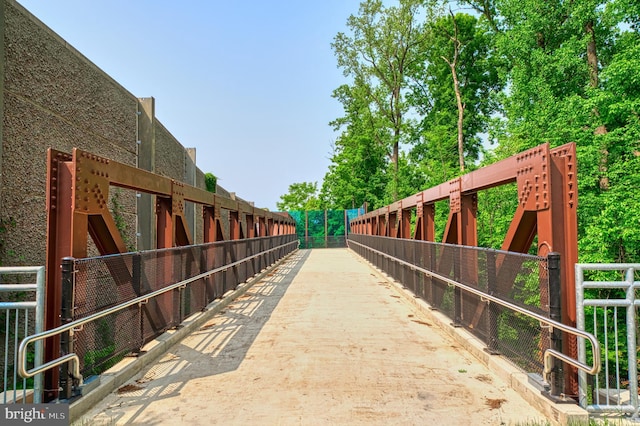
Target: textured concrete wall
(54,97)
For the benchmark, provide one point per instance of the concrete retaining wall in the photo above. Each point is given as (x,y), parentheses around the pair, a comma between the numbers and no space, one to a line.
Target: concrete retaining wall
(54,97)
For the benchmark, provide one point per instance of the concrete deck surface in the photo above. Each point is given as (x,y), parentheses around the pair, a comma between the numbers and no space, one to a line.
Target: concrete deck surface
(323,339)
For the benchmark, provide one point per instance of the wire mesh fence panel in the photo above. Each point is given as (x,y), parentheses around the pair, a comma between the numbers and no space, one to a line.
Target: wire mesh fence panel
(101,283)
(517,278)
(104,282)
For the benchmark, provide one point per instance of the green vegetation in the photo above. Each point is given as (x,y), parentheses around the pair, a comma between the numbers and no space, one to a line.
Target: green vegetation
(117,211)
(302,196)
(5,253)
(431,93)
(211,182)
(104,356)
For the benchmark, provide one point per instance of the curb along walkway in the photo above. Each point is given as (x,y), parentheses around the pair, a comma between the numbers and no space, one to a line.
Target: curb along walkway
(323,339)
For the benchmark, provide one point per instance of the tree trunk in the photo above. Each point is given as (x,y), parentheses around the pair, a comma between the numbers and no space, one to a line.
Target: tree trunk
(453,64)
(592,54)
(394,160)
(456,86)
(592,63)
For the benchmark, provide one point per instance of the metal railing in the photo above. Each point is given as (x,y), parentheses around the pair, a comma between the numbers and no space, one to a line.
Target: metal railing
(21,318)
(77,325)
(606,305)
(549,353)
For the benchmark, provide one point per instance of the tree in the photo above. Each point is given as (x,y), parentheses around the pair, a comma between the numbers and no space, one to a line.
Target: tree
(357,173)
(455,89)
(301,196)
(377,56)
(571,72)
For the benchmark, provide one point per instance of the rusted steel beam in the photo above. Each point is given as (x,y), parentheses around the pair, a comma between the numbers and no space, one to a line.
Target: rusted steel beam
(78,187)
(251,229)
(209,224)
(59,212)
(117,174)
(547,203)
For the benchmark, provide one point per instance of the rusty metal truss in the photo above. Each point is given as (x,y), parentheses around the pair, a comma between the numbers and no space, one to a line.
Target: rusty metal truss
(78,189)
(547,203)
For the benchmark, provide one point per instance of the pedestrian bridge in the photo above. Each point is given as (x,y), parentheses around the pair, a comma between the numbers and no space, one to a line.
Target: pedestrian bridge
(227,320)
(322,338)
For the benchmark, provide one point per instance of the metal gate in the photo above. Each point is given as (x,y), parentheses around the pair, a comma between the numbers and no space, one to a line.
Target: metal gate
(606,303)
(21,314)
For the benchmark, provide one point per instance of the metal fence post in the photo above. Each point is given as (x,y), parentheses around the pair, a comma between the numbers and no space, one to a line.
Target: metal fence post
(457,293)
(492,314)
(555,313)
(136,279)
(66,339)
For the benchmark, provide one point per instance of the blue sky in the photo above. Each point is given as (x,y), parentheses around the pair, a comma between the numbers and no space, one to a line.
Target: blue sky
(247,83)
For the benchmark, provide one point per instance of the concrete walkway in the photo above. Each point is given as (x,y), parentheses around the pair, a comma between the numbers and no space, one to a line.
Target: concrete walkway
(323,339)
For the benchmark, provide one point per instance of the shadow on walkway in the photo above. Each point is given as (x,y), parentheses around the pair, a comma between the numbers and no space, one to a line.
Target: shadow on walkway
(217,347)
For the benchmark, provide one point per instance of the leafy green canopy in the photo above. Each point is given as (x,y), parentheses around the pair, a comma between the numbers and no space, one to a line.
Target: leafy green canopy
(301,196)
(428,92)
